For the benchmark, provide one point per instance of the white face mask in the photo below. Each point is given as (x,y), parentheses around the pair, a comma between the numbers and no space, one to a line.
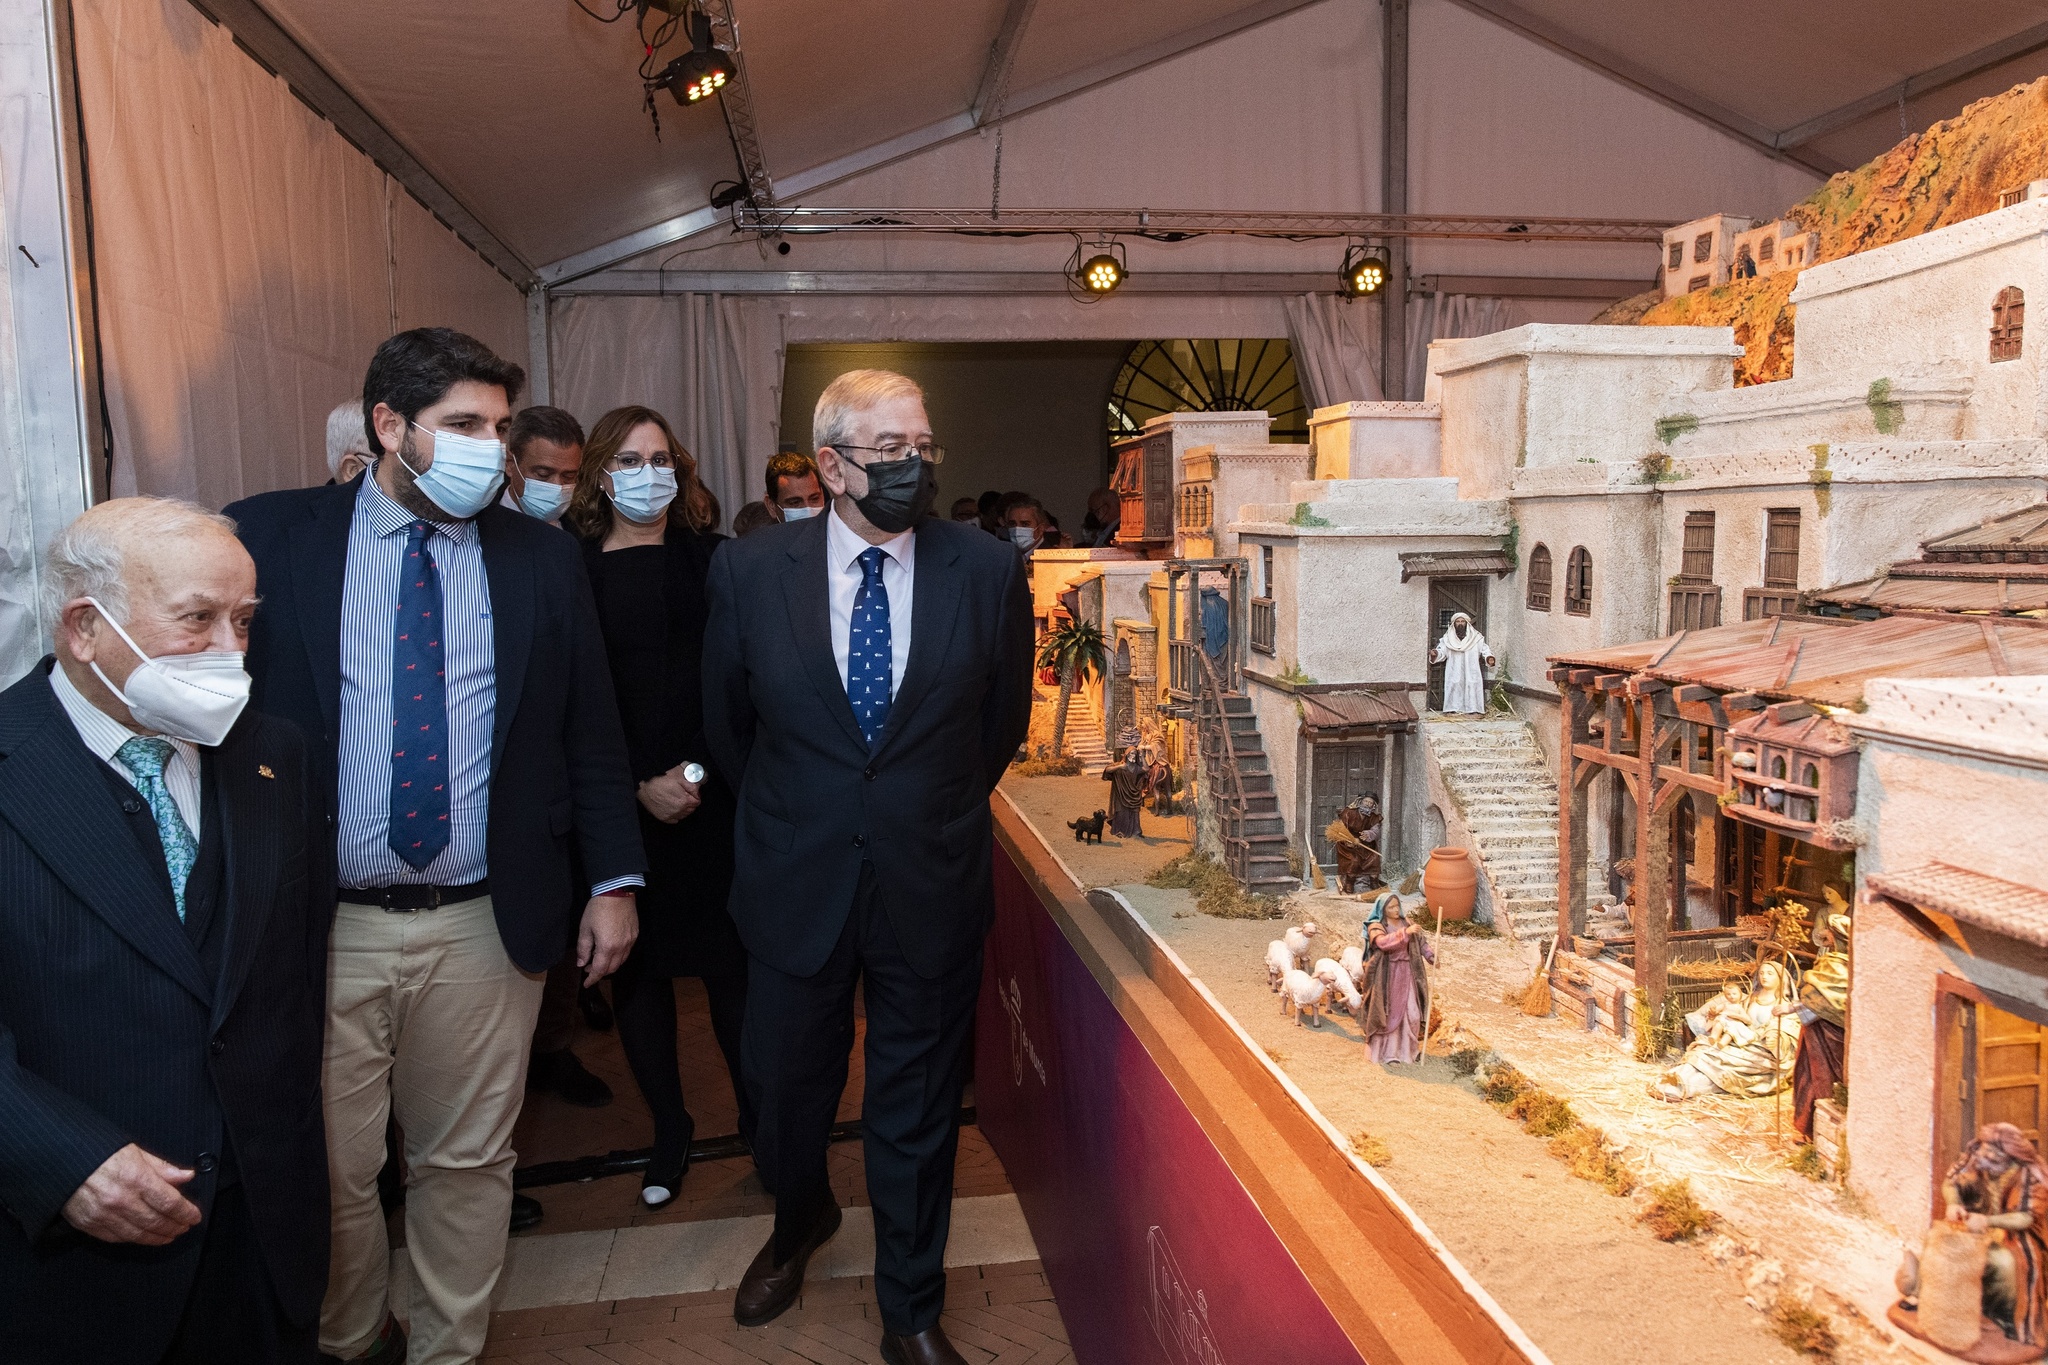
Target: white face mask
(642,495)
(466,474)
(1023,537)
(546,501)
(800,513)
(193,697)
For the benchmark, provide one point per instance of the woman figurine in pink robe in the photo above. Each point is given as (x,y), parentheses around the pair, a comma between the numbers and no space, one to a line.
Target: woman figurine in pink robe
(1396,982)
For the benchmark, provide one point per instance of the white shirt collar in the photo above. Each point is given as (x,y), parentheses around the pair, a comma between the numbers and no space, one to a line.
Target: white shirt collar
(103,735)
(843,546)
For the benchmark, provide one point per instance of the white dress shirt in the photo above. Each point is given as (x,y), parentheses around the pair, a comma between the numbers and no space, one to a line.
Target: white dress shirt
(104,736)
(843,549)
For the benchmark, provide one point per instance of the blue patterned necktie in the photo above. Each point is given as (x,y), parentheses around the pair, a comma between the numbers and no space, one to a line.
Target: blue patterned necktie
(145,758)
(870,657)
(419,710)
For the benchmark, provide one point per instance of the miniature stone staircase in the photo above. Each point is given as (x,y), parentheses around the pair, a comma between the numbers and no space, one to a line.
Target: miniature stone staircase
(1258,821)
(1496,775)
(1084,733)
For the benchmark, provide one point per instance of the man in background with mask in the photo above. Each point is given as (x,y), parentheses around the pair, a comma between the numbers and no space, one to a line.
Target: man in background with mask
(793,489)
(543,452)
(867,679)
(348,448)
(1025,524)
(444,653)
(167,864)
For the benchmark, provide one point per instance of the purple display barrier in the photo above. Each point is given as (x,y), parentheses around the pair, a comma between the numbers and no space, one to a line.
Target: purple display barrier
(1158,1252)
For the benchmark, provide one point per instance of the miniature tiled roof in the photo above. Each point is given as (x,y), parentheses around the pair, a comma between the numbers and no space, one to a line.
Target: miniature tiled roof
(1354,710)
(2004,907)
(2022,534)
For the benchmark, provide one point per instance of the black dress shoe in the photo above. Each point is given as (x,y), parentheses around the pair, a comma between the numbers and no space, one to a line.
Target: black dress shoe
(389,1350)
(526,1212)
(928,1347)
(597,1011)
(767,1290)
(562,1073)
(662,1181)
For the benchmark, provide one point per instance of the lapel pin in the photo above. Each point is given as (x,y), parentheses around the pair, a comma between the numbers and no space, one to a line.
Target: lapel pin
(263,770)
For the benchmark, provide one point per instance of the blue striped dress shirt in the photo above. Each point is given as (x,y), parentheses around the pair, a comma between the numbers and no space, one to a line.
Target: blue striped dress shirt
(369,608)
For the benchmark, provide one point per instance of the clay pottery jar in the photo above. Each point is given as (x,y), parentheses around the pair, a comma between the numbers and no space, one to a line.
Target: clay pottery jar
(1449,882)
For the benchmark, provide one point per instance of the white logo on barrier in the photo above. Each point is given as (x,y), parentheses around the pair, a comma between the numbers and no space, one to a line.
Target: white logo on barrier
(1180,1319)
(1020,1041)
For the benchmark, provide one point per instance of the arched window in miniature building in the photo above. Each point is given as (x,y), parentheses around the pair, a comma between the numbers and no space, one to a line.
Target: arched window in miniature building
(1578,582)
(1539,578)
(1778,766)
(1810,777)
(1766,248)
(2008,318)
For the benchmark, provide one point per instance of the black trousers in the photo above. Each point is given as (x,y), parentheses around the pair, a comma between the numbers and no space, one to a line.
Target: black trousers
(645,1006)
(233,1313)
(799,1037)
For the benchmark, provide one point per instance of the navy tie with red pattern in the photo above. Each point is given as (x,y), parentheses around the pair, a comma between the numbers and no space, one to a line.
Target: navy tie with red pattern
(419,710)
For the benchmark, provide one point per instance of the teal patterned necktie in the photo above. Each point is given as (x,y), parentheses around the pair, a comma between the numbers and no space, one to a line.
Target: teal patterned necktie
(145,758)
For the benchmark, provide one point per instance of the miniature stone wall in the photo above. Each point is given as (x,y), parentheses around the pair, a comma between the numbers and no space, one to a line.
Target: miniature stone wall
(1377,441)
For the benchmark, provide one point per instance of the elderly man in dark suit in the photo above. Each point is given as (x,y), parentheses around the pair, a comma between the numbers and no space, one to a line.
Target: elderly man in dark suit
(443,654)
(163,938)
(867,678)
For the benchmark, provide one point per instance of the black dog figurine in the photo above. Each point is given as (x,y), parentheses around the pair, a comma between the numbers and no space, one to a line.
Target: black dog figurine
(1089,827)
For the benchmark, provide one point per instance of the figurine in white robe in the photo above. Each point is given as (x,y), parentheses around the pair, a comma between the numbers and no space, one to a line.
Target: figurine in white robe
(1462,651)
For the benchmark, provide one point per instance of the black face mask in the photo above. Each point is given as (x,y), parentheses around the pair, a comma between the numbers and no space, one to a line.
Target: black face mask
(899,494)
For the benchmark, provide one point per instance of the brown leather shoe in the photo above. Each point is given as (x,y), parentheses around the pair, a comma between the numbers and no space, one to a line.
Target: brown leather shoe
(928,1347)
(767,1290)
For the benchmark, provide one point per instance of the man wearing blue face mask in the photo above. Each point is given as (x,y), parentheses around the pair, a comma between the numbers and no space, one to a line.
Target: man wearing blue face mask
(544,451)
(444,651)
(794,492)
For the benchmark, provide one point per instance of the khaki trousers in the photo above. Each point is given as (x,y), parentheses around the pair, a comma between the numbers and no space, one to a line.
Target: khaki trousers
(427,1018)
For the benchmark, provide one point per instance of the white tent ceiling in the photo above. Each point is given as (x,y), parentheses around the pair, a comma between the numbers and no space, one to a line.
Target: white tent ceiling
(529,111)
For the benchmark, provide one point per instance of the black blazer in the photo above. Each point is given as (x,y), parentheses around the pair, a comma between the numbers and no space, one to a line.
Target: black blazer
(112,1032)
(814,800)
(558,760)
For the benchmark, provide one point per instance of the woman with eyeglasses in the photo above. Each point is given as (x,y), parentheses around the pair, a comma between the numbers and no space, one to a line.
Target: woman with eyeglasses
(648,529)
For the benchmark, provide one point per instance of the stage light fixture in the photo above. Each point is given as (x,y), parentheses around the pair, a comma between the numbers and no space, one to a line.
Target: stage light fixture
(1101,274)
(1364,272)
(699,73)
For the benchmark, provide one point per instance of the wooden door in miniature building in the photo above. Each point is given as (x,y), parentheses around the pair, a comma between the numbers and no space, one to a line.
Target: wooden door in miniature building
(1448,597)
(1992,1068)
(1343,772)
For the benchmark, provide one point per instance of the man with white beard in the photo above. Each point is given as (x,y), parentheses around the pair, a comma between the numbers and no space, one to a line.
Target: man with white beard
(1462,651)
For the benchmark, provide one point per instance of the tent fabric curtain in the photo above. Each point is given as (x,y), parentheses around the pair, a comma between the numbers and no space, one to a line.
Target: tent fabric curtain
(248,260)
(710,363)
(1437,317)
(1336,348)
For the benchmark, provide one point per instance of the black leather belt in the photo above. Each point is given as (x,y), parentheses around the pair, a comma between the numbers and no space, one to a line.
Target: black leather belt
(412,897)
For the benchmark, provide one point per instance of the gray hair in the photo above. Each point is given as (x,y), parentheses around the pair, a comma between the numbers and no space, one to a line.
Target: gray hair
(89,557)
(853,393)
(346,434)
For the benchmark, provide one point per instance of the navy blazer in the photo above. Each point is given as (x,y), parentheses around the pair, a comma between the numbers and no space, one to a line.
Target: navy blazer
(558,757)
(815,799)
(112,1032)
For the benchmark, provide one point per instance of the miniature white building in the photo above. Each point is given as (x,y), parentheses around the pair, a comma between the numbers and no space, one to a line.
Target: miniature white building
(1771,248)
(1699,254)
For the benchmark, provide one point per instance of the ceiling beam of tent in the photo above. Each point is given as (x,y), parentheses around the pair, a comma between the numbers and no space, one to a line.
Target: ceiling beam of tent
(1013,282)
(261,37)
(1173,225)
(919,139)
(736,100)
(1962,68)
(1688,102)
(994,87)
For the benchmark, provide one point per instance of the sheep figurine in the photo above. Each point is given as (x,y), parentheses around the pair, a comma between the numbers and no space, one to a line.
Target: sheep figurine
(1301,992)
(1297,940)
(1332,974)
(1279,962)
(1352,960)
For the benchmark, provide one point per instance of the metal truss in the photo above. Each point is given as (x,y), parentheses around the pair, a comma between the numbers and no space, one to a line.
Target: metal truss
(737,98)
(1173,226)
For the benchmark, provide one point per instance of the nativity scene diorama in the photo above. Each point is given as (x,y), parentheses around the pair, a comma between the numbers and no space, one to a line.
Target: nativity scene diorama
(1644,735)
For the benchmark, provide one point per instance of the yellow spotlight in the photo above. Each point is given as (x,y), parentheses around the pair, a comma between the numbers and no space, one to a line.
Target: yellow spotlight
(1364,272)
(1101,274)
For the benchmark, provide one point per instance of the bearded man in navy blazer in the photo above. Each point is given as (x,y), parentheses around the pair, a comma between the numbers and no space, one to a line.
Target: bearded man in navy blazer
(867,679)
(164,903)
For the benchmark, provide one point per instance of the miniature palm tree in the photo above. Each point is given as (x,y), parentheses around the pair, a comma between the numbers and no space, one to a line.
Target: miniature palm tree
(1074,648)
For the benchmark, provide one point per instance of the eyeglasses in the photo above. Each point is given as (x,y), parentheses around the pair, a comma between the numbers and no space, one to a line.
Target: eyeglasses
(931,452)
(632,459)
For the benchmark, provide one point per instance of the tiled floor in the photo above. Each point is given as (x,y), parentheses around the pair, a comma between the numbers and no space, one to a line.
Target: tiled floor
(999,1312)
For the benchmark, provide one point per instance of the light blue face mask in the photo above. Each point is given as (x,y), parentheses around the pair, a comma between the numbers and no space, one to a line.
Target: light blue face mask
(800,513)
(642,495)
(544,500)
(466,474)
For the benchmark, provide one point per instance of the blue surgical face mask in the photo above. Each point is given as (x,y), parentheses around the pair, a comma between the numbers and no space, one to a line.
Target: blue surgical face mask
(642,495)
(466,474)
(800,513)
(544,500)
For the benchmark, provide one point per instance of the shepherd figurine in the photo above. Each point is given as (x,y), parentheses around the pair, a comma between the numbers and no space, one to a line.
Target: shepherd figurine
(1462,651)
